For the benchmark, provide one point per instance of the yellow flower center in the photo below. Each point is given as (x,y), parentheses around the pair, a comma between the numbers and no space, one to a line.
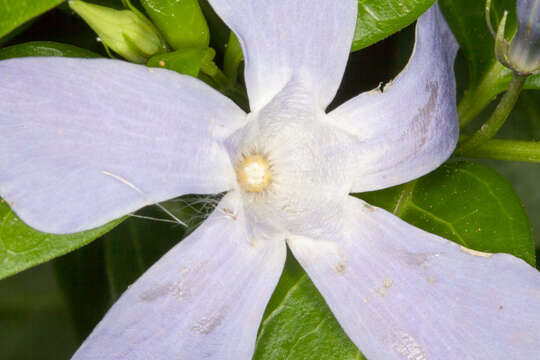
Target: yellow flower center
(253,173)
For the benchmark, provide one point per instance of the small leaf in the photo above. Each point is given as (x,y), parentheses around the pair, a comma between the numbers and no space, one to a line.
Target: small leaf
(465,202)
(15,13)
(378,19)
(22,247)
(185,61)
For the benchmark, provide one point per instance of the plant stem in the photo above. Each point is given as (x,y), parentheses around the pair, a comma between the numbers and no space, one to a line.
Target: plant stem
(476,99)
(510,150)
(497,119)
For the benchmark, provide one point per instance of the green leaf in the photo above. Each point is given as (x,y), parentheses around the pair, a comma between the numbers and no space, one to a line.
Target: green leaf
(465,202)
(15,13)
(524,123)
(44,48)
(378,19)
(22,247)
(487,77)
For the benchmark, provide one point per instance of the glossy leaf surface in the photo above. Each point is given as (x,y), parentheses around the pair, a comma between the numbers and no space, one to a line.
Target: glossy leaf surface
(524,123)
(44,48)
(22,247)
(15,13)
(467,203)
(378,19)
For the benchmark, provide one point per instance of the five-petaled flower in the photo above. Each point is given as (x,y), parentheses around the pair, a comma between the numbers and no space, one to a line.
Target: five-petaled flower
(87,141)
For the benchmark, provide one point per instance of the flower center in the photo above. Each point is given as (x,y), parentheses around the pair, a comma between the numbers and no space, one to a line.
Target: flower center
(253,173)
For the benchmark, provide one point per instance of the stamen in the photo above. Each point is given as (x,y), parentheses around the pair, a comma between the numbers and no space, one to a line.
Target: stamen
(253,173)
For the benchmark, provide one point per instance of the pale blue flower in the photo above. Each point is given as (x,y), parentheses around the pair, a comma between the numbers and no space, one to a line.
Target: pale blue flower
(524,52)
(87,141)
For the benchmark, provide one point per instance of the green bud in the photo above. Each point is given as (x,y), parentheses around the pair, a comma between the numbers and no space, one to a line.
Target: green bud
(524,53)
(127,33)
(182,22)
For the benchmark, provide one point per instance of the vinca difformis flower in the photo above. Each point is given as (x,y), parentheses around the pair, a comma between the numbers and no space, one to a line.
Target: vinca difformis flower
(88,141)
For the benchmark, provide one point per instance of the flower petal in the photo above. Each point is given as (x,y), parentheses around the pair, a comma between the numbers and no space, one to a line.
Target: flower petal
(411,127)
(402,293)
(87,141)
(286,39)
(203,300)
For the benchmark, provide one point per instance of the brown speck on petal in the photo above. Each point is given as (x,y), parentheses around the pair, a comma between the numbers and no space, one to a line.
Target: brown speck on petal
(406,346)
(206,325)
(155,293)
(230,213)
(340,267)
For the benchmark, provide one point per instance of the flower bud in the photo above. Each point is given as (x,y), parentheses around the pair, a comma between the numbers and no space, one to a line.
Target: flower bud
(127,33)
(524,52)
(182,23)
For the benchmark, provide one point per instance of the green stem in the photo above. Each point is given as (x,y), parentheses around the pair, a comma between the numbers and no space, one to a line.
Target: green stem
(510,150)
(476,99)
(499,116)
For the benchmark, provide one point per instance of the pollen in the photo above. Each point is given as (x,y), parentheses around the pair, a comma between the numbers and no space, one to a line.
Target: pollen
(254,173)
